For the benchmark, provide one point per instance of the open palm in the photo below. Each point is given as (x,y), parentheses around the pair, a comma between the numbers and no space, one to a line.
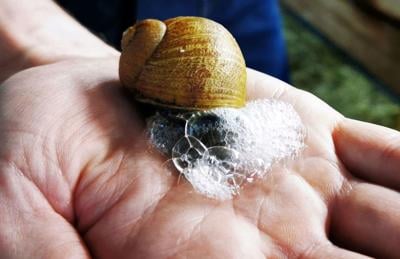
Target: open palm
(77,179)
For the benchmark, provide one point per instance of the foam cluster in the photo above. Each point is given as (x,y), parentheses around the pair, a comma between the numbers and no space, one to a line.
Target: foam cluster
(219,150)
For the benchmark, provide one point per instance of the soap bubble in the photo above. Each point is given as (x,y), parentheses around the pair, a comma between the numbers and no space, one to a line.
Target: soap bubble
(187,152)
(216,129)
(221,164)
(252,168)
(165,130)
(221,149)
(202,181)
(215,173)
(221,156)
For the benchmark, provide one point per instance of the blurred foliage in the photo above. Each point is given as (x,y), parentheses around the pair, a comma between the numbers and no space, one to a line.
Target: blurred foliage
(323,71)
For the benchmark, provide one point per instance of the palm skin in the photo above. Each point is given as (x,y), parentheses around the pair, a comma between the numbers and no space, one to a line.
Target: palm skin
(78,179)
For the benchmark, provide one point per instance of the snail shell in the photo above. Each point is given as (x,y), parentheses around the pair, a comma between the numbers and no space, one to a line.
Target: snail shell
(189,63)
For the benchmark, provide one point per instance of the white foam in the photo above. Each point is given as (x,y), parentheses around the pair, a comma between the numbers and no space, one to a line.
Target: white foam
(254,138)
(202,181)
(273,130)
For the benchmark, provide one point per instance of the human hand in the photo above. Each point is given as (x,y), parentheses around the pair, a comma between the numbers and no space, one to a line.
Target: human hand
(39,32)
(77,179)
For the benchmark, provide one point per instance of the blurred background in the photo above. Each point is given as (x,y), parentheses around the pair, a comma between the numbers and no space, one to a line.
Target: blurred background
(347,53)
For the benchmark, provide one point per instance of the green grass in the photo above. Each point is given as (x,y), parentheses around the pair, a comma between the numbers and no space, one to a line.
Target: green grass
(321,70)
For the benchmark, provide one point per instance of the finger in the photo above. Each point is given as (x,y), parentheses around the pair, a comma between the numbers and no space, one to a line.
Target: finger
(371,152)
(313,112)
(329,251)
(260,85)
(29,227)
(367,219)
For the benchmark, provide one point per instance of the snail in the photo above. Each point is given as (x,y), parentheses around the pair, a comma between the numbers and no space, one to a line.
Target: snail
(187,63)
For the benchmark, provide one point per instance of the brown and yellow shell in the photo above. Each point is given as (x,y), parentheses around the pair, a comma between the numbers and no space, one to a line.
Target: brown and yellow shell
(187,63)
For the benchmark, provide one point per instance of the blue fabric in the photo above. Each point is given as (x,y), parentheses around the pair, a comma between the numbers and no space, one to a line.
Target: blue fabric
(255,24)
(106,18)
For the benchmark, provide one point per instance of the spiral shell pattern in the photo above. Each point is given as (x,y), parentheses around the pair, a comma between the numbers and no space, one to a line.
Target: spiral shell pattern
(189,63)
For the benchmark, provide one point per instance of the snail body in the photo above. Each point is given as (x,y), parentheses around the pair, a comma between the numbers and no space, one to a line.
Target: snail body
(188,63)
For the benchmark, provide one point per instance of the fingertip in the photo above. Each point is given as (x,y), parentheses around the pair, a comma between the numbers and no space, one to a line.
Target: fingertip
(369,151)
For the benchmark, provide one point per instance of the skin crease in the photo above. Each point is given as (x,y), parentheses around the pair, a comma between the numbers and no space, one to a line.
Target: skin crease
(77,175)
